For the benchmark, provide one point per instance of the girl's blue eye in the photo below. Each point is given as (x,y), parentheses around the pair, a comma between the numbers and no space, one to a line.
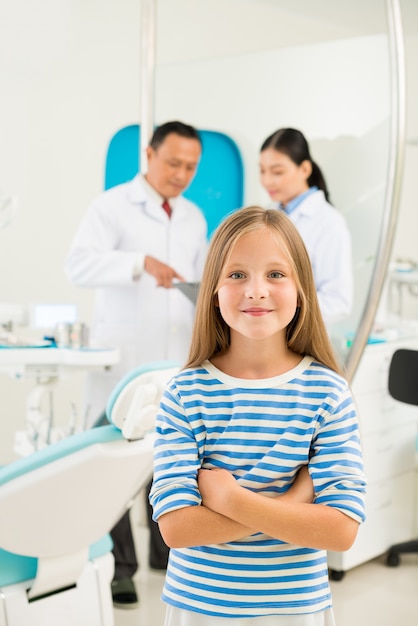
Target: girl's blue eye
(236,275)
(276,275)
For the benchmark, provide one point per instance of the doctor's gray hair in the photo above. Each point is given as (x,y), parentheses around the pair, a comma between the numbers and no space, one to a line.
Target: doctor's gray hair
(306,333)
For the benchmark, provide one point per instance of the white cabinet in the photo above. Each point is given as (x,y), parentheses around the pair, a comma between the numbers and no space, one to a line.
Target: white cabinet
(388,432)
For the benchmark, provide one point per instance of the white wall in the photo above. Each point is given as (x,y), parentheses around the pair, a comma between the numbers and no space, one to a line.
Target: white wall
(69,73)
(406,241)
(68,80)
(251,95)
(405,245)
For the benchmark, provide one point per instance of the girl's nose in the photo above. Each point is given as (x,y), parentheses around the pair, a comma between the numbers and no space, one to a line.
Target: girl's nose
(257,289)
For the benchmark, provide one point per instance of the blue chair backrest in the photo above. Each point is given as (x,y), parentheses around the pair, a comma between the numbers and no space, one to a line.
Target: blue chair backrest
(217,188)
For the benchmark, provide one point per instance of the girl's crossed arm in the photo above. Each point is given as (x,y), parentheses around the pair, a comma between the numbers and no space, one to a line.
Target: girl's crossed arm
(202,525)
(295,521)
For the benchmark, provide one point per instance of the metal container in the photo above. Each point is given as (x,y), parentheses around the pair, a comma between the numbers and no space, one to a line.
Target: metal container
(62,335)
(79,335)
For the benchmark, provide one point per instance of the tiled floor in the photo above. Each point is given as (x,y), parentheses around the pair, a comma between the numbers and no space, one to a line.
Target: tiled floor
(370,595)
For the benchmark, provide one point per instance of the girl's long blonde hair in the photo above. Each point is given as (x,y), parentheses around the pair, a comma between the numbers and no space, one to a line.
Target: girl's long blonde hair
(306,333)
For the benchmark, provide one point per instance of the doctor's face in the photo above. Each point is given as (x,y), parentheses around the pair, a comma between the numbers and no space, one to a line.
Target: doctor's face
(281,177)
(172,165)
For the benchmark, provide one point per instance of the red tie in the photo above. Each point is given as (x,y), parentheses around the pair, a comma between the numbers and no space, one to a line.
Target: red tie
(167,208)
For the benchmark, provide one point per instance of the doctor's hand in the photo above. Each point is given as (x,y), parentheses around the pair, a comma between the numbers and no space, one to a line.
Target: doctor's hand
(162,273)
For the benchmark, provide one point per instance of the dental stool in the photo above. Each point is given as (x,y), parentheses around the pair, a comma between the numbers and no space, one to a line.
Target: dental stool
(58,505)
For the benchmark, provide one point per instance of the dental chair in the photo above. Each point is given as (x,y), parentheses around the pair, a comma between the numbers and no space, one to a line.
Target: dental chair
(403,386)
(58,504)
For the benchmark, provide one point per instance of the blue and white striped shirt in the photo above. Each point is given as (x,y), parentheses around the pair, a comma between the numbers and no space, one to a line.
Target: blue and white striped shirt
(263,431)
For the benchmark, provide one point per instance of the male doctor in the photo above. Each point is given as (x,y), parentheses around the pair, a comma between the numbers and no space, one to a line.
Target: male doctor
(135,240)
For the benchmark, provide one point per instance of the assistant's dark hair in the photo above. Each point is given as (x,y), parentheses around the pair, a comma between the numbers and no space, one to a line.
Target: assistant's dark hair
(294,144)
(177,128)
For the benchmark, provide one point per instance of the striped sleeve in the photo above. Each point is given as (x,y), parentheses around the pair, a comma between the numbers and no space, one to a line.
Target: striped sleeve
(176,459)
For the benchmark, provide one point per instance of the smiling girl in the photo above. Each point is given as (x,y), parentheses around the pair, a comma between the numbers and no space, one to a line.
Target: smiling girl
(258,465)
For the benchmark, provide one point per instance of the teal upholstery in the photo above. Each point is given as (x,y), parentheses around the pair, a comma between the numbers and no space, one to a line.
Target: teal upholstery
(58,451)
(69,472)
(15,568)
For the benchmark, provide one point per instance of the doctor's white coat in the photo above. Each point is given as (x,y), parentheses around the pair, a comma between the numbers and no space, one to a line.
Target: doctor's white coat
(147,323)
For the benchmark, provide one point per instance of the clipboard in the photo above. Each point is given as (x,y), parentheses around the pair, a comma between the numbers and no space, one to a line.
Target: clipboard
(190,290)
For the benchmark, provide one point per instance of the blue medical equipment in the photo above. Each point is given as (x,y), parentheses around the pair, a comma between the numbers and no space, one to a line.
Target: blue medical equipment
(59,503)
(217,188)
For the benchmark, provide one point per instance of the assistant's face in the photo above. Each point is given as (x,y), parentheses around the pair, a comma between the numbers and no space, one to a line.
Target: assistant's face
(281,177)
(172,165)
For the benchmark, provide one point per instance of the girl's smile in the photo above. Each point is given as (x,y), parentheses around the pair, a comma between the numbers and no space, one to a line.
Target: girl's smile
(257,311)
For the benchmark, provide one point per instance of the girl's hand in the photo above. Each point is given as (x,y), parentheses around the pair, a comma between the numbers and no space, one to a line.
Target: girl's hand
(215,486)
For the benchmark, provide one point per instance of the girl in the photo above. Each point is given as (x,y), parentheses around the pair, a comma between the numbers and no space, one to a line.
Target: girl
(296,184)
(260,400)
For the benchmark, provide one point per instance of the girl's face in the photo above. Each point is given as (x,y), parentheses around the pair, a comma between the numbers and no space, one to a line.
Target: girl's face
(281,177)
(257,293)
